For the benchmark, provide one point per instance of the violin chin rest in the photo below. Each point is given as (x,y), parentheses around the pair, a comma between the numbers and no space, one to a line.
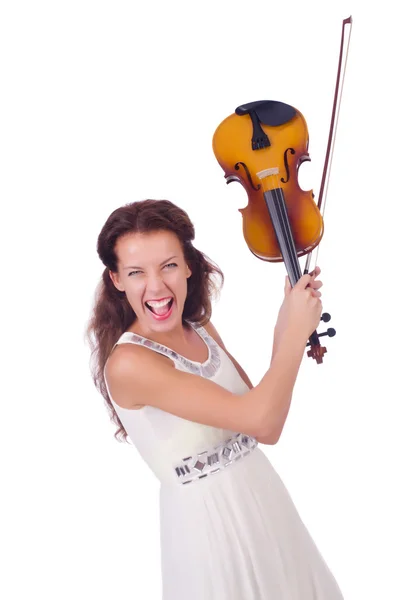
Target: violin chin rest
(269,112)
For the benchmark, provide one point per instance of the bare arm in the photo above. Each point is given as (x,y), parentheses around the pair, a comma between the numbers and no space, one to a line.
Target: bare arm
(315,285)
(210,327)
(137,375)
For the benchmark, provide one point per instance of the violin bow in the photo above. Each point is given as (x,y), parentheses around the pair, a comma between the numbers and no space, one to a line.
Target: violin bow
(332,132)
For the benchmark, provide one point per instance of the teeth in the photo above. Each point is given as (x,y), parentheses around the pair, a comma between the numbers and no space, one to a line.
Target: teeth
(158,304)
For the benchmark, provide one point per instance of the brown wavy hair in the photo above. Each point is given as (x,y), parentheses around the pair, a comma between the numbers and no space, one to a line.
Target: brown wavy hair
(112,313)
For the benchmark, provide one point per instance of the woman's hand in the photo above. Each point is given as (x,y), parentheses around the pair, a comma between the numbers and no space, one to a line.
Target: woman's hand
(299,306)
(314,285)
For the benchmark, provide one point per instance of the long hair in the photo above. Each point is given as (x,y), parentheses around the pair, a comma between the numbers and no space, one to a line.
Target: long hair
(112,313)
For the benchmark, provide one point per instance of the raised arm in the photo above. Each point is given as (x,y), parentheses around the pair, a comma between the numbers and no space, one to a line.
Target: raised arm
(210,327)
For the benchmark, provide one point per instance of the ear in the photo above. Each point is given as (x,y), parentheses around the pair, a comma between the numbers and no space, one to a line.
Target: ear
(188,272)
(116,281)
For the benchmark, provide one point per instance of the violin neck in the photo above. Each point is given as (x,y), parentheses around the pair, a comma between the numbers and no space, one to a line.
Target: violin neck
(279,215)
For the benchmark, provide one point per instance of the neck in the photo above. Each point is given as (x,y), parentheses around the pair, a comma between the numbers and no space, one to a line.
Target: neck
(178,336)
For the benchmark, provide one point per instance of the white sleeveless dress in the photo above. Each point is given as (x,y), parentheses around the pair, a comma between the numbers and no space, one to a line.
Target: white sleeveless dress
(229,529)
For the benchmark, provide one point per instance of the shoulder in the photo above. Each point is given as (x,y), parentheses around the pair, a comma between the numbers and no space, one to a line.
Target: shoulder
(212,331)
(127,360)
(128,368)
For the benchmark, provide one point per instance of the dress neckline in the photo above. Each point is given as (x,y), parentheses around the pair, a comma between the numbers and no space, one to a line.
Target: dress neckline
(207,369)
(199,330)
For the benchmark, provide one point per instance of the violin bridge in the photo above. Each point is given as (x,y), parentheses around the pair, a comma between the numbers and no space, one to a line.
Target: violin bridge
(267,172)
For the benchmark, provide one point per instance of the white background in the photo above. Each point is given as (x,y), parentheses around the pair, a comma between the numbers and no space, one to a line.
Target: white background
(103,103)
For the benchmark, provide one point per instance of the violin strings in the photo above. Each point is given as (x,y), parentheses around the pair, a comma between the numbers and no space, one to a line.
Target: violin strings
(275,200)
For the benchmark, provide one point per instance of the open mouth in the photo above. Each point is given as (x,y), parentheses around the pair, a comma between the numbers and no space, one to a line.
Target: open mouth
(160,311)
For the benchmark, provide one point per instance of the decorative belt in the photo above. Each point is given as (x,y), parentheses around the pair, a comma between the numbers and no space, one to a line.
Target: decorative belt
(215,460)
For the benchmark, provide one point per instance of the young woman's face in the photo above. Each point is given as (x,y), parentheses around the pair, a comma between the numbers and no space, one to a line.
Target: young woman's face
(152,269)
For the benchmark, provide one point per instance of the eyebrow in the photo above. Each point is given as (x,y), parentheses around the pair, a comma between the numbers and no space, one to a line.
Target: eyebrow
(161,264)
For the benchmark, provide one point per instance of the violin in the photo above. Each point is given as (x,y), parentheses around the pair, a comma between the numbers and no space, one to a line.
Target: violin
(261,146)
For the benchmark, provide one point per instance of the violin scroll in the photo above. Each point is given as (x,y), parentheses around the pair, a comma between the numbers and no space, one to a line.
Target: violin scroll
(317,351)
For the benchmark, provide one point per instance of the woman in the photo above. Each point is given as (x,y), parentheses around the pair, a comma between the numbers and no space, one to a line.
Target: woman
(229,529)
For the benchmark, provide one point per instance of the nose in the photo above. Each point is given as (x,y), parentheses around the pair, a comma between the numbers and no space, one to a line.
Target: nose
(155,286)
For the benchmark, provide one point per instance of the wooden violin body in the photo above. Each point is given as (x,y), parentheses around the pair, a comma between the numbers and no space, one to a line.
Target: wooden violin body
(263,135)
(262,146)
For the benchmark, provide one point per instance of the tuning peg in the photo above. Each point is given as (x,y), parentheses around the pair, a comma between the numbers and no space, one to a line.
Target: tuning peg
(330,332)
(325,317)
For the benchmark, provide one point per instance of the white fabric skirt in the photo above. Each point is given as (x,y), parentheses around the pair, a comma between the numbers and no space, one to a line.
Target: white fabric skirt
(237,535)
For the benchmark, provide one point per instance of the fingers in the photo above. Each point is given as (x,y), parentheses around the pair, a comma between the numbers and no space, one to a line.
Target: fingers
(316,302)
(316,271)
(315,293)
(304,281)
(316,284)
(314,287)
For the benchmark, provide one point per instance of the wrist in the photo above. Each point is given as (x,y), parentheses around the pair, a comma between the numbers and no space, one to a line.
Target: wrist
(292,338)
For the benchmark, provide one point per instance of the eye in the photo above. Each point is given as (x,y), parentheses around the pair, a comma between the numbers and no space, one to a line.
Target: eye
(171,264)
(133,273)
